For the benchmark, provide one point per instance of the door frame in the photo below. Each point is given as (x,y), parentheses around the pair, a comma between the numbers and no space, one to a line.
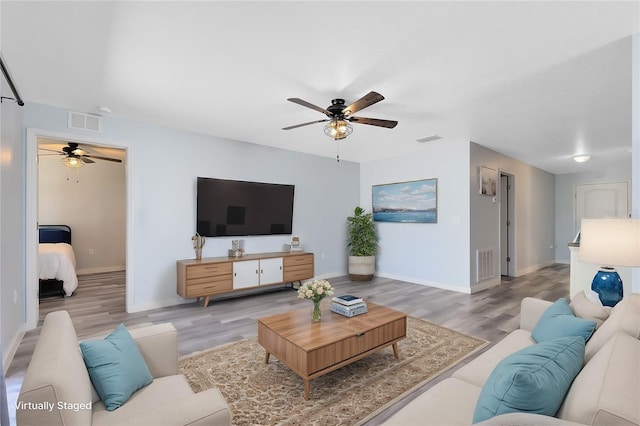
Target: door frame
(31,219)
(511,232)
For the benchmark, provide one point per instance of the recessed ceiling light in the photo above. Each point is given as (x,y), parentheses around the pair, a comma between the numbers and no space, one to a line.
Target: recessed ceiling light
(581,158)
(429,138)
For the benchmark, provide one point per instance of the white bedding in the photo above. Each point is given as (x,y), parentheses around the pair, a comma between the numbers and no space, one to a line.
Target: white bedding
(58,261)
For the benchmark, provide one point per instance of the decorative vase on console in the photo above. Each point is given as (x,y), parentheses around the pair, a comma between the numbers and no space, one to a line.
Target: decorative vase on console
(315,291)
(198,242)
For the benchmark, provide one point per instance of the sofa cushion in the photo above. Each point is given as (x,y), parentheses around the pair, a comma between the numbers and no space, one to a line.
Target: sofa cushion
(167,401)
(607,390)
(478,371)
(625,316)
(534,379)
(116,367)
(559,321)
(584,308)
(450,402)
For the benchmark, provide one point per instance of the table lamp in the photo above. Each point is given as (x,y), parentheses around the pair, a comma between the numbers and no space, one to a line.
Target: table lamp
(610,242)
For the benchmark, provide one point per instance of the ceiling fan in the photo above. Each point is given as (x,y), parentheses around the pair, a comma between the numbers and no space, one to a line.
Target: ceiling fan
(339,115)
(77,157)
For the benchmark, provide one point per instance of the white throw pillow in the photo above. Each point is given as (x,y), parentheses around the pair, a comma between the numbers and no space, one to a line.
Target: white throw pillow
(584,308)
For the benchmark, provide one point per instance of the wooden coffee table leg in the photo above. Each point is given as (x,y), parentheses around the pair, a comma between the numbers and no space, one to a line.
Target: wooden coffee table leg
(266,357)
(395,350)
(307,389)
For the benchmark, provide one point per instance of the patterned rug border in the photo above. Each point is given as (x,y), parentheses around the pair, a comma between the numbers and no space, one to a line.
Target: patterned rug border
(377,411)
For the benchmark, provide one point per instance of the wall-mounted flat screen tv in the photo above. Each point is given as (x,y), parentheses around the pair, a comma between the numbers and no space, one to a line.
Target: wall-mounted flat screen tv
(238,208)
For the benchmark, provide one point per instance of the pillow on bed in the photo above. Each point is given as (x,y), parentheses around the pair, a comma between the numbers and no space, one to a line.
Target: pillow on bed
(116,367)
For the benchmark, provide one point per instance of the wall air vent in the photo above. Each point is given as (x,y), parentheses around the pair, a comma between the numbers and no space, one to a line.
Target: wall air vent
(484,264)
(82,121)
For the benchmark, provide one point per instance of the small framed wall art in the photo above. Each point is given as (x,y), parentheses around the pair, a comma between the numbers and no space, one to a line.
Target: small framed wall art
(487,181)
(406,202)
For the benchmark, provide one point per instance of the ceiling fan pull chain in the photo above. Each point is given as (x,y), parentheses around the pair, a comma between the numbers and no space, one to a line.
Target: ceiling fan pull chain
(337,151)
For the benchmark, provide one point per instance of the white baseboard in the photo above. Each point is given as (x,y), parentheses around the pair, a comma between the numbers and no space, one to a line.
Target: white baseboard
(458,289)
(100,270)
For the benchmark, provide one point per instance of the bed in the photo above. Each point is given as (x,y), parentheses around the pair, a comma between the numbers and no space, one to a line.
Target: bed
(56,261)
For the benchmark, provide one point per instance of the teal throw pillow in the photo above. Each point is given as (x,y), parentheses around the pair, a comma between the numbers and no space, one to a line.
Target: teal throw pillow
(533,380)
(116,367)
(559,321)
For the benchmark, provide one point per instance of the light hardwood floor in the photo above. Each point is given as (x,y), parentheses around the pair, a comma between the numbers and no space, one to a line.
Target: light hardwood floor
(98,306)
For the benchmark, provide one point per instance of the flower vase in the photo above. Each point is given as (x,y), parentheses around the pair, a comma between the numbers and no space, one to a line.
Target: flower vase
(198,253)
(316,315)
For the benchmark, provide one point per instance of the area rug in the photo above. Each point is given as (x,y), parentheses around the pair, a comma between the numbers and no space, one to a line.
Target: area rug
(271,394)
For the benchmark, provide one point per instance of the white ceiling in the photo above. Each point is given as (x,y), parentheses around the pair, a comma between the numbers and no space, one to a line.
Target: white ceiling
(538,81)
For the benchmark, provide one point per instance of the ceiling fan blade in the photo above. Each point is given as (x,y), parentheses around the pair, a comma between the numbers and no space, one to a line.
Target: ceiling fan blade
(365,101)
(85,160)
(304,124)
(309,105)
(50,150)
(389,124)
(86,157)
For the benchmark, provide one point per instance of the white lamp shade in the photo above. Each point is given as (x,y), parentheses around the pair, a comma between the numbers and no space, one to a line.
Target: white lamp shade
(610,242)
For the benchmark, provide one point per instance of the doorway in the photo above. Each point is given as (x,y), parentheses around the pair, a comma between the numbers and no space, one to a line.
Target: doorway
(83,186)
(32,195)
(507,210)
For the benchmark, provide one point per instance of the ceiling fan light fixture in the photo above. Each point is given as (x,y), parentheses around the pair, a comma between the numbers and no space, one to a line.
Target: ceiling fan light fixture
(72,162)
(338,129)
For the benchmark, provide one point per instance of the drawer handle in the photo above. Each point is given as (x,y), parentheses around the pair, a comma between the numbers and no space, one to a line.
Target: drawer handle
(360,334)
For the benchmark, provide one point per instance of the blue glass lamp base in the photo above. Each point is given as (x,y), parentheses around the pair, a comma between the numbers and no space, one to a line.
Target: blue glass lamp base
(608,285)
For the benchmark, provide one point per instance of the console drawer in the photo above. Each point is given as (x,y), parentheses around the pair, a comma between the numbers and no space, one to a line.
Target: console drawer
(302,259)
(208,287)
(342,350)
(208,270)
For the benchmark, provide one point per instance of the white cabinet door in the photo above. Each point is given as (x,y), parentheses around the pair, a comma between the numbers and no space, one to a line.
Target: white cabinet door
(246,274)
(271,271)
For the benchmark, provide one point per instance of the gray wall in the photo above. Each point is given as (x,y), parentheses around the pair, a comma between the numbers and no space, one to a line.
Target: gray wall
(12,226)
(434,254)
(162,166)
(533,218)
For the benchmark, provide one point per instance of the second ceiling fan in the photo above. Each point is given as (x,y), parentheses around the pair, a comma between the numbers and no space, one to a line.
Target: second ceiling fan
(339,115)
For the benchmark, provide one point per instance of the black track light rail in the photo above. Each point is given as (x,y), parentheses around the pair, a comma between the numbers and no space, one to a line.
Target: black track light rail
(7,76)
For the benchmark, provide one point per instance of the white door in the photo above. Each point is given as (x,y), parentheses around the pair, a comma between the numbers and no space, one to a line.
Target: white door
(601,200)
(246,274)
(271,271)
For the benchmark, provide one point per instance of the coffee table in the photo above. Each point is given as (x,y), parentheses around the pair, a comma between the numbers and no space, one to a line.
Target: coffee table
(312,349)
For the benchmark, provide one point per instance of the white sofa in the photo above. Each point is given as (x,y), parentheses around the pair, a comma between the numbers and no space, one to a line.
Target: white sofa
(605,392)
(57,389)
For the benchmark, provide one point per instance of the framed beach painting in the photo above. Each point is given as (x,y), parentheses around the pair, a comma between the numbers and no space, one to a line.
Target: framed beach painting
(406,202)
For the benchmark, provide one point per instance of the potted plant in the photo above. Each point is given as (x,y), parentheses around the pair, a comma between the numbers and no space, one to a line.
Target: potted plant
(363,245)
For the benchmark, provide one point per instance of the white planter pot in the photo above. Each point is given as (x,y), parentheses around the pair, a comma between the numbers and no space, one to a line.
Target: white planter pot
(362,268)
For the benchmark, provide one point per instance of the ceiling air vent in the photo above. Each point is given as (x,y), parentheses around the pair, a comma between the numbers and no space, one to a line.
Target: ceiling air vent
(82,121)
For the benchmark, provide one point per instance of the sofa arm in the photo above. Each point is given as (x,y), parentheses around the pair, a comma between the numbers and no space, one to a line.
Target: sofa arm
(531,309)
(158,345)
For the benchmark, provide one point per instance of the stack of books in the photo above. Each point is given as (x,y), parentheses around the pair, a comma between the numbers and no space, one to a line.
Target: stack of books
(348,305)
